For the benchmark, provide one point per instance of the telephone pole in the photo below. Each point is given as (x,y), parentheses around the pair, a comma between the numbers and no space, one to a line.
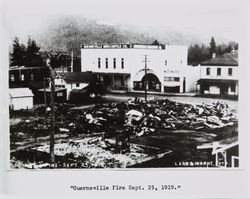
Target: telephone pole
(44,95)
(145,69)
(52,102)
(50,63)
(72,60)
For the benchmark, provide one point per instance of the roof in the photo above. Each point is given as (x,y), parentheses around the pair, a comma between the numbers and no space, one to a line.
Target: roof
(77,77)
(80,91)
(222,81)
(27,68)
(220,146)
(20,92)
(110,73)
(49,89)
(227,59)
(121,46)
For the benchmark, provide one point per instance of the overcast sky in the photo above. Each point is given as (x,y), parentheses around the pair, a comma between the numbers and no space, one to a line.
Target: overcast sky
(224,17)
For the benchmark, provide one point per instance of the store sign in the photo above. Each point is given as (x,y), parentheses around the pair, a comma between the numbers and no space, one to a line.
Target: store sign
(172,71)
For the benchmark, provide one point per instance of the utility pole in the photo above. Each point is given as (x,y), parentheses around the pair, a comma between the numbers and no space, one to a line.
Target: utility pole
(52,63)
(52,104)
(52,107)
(44,94)
(145,69)
(72,60)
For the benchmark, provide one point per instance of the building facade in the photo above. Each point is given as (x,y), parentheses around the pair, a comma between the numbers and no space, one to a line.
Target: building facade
(132,67)
(31,77)
(219,75)
(72,81)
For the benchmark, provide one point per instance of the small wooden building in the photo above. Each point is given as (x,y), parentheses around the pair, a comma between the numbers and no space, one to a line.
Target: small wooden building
(20,98)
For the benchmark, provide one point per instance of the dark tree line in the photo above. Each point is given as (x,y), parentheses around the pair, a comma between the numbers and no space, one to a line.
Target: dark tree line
(29,56)
(197,53)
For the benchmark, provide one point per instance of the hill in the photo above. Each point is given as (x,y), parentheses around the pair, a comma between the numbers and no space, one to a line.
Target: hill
(69,32)
(66,33)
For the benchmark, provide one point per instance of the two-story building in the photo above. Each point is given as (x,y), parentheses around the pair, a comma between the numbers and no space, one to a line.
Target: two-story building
(219,75)
(31,77)
(132,67)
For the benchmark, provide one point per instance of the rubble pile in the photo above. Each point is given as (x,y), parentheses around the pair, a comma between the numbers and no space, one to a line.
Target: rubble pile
(93,153)
(101,136)
(134,117)
(142,118)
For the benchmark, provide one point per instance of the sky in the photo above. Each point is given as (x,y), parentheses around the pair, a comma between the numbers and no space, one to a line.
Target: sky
(222,17)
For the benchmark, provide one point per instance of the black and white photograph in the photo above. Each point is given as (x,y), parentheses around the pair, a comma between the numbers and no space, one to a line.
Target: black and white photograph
(123,87)
(124,98)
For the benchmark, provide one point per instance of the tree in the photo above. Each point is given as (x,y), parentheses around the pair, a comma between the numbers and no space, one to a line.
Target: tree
(197,54)
(155,42)
(212,47)
(228,49)
(33,57)
(219,50)
(29,56)
(18,54)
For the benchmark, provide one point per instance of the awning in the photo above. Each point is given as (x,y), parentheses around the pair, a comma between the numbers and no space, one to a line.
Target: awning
(217,81)
(109,73)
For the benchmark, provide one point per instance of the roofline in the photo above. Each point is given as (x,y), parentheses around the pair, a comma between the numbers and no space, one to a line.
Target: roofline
(225,147)
(120,46)
(23,96)
(217,148)
(111,73)
(27,68)
(130,46)
(204,64)
(218,81)
(47,90)
(74,81)
(128,43)
(230,54)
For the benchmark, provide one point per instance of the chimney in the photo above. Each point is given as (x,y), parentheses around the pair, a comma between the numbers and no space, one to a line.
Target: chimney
(213,55)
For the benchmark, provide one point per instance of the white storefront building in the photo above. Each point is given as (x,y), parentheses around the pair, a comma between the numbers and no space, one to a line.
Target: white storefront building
(122,66)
